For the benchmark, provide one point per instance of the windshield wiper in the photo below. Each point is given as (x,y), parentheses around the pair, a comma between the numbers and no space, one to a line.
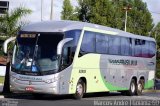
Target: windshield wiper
(35,54)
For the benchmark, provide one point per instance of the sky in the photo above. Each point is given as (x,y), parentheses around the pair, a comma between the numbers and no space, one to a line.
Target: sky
(35,6)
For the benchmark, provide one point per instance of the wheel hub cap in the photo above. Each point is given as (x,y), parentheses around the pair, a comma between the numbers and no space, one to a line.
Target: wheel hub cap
(79,89)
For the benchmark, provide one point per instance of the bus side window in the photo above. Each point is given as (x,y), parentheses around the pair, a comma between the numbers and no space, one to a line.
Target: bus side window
(114,45)
(65,56)
(101,43)
(138,48)
(126,46)
(152,49)
(145,49)
(88,43)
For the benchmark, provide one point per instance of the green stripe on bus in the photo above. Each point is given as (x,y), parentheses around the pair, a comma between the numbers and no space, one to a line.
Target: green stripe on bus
(149,84)
(112,87)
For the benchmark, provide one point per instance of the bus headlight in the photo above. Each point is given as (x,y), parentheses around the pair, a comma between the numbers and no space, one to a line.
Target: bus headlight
(48,81)
(51,80)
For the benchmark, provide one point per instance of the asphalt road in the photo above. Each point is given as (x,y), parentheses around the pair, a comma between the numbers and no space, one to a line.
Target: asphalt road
(96,99)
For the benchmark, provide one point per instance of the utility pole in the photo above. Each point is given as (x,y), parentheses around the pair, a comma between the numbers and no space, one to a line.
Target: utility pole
(126,9)
(51,15)
(41,10)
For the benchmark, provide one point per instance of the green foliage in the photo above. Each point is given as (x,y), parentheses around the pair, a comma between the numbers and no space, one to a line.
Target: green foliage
(102,13)
(68,11)
(10,22)
(110,13)
(158,74)
(139,18)
(158,69)
(84,9)
(156,34)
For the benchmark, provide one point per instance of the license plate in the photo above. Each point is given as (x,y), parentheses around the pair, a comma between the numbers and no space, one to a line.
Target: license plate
(30,89)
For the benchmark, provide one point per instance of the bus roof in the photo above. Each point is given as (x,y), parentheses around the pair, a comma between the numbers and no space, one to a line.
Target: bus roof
(63,25)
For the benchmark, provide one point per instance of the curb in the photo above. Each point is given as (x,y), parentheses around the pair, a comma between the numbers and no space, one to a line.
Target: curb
(151,91)
(1,97)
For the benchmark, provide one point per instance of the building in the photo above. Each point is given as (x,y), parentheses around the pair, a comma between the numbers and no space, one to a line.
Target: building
(4,6)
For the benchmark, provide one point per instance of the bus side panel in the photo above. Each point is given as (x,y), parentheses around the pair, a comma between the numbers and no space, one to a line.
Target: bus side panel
(110,72)
(151,65)
(87,66)
(117,71)
(65,80)
(114,75)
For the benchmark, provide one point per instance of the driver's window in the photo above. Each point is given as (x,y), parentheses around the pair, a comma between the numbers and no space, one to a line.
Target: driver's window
(65,56)
(68,55)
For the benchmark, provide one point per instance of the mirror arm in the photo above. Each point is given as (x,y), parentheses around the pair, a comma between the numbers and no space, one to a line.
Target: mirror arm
(5,44)
(61,44)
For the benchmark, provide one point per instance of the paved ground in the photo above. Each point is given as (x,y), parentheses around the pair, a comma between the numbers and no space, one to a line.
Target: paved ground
(150,98)
(97,99)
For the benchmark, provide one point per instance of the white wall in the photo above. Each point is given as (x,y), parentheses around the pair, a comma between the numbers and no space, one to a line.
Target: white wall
(2,70)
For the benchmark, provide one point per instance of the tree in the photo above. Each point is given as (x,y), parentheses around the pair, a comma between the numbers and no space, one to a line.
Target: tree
(67,12)
(102,13)
(84,10)
(139,18)
(10,22)
(9,26)
(156,34)
(110,13)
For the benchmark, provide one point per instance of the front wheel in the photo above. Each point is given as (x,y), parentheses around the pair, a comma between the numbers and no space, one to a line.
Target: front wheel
(80,90)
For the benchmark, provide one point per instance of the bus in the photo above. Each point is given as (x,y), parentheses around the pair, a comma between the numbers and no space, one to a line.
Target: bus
(70,57)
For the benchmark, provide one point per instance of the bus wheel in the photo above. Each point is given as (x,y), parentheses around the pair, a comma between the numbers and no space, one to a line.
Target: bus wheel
(132,89)
(140,87)
(80,89)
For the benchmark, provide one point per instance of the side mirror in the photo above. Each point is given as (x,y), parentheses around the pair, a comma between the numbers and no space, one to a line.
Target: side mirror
(61,44)
(5,44)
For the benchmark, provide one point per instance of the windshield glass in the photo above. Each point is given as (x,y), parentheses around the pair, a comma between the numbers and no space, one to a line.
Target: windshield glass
(37,52)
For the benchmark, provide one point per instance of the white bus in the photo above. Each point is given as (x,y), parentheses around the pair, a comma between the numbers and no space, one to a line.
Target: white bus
(68,57)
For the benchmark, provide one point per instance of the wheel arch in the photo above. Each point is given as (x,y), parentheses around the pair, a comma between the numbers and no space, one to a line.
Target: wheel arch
(135,78)
(141,77)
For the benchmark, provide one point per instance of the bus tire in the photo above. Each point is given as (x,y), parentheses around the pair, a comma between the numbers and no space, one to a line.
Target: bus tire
(140,87)
(80,89)
(132,88)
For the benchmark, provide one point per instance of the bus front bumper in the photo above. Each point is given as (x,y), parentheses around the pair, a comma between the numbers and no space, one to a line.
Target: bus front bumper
(38,87)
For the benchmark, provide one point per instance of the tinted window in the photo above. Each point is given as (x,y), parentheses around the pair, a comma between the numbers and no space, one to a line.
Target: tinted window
(70,47)
(138,48)
(152,49)
(88,42)
(145,49)
(126,46)
(114,45)
(101,43)
(75,34)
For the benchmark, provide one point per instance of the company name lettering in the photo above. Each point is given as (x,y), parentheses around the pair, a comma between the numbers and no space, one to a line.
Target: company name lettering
(30,78)
(123,62)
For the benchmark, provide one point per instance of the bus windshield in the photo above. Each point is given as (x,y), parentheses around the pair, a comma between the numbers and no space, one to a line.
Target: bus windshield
(37,53)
